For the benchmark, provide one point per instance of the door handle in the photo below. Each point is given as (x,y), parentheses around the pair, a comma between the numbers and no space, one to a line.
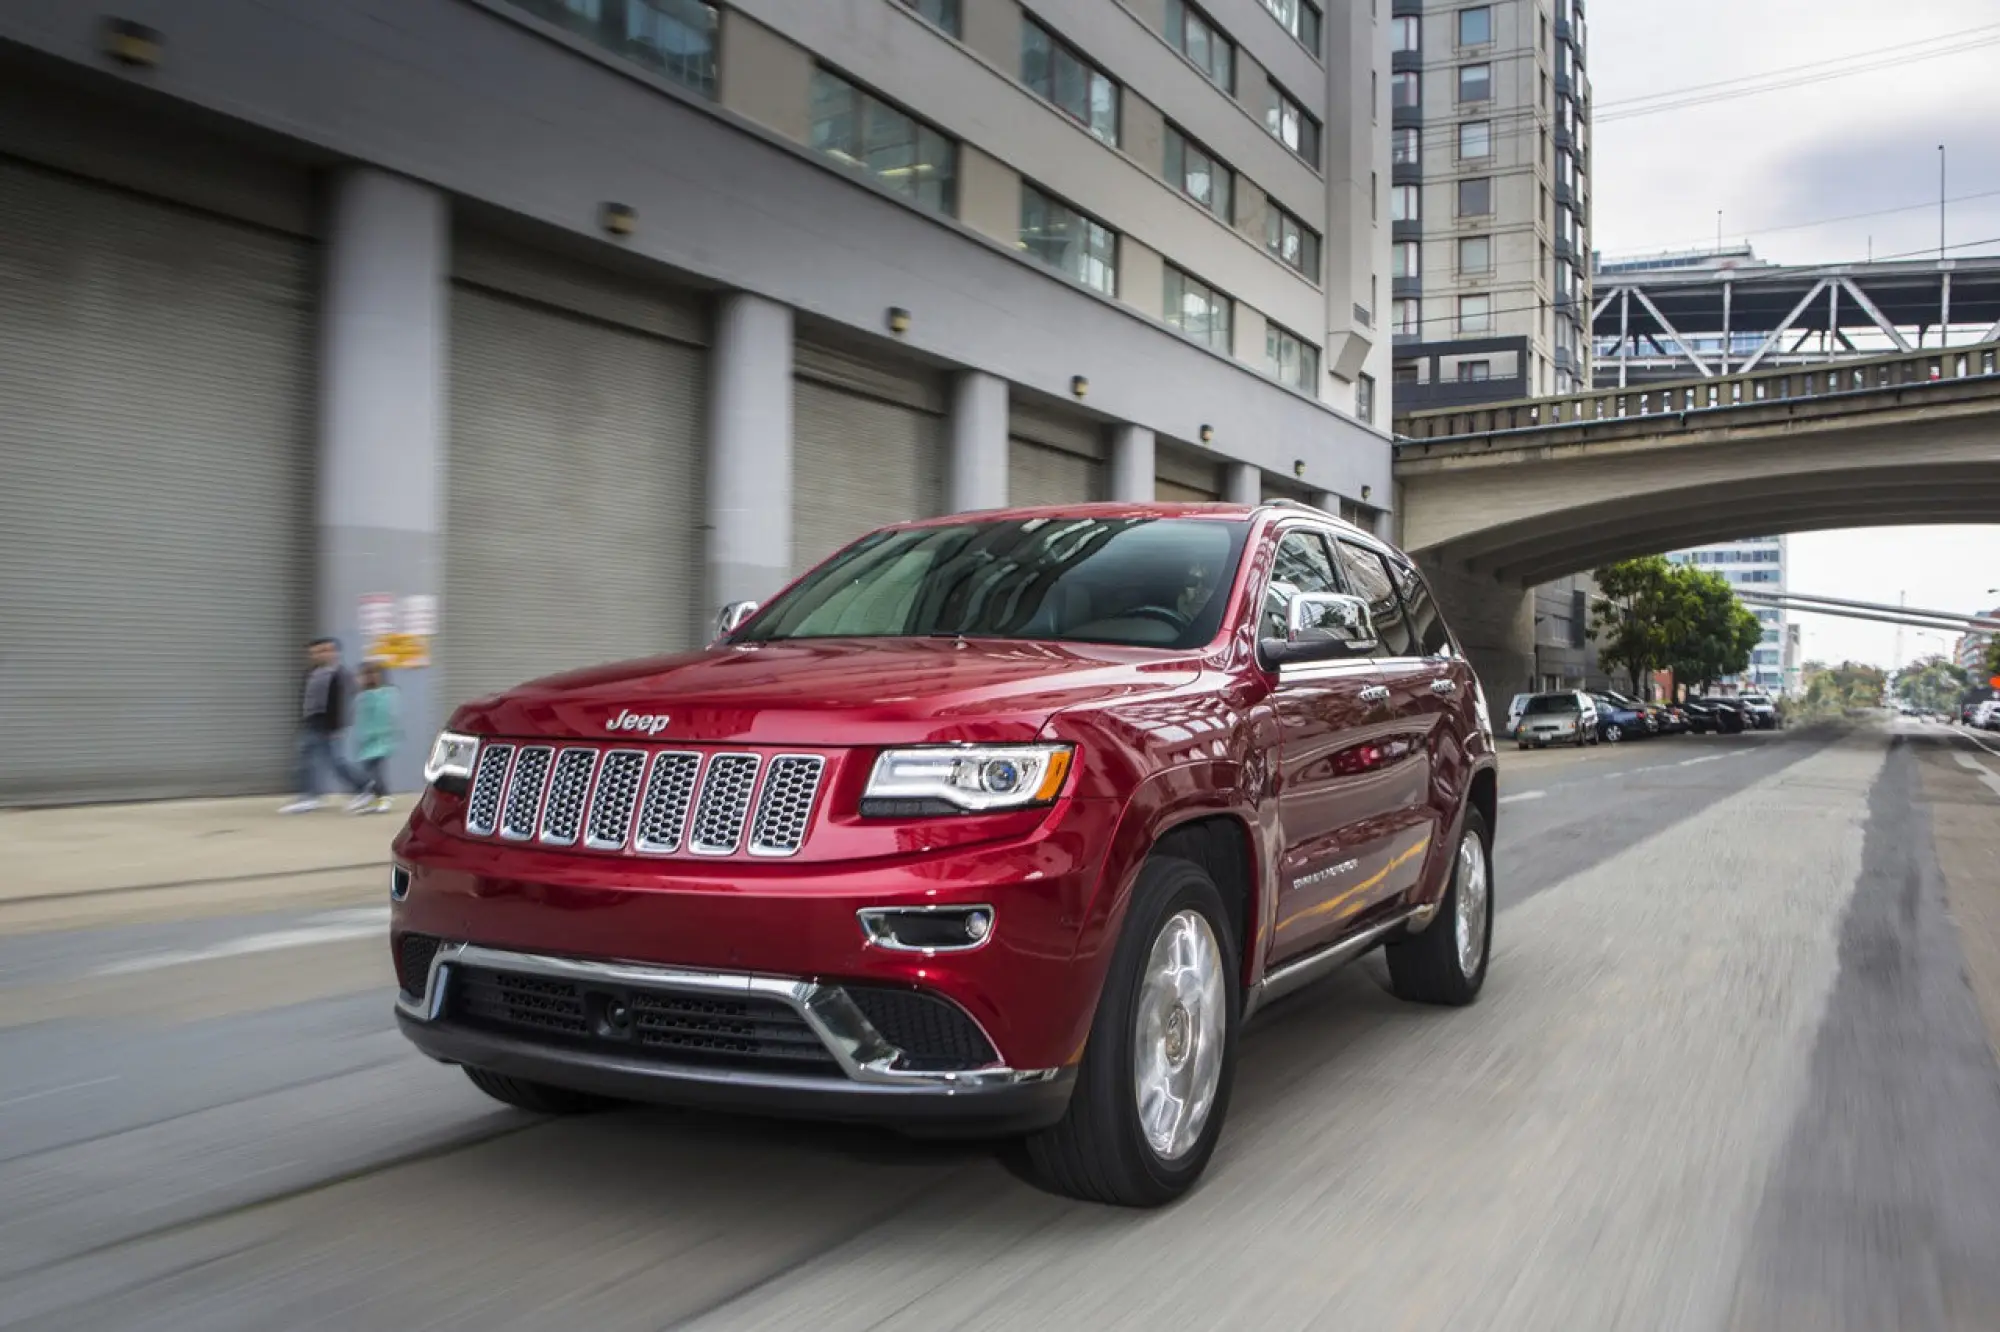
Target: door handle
(1375,694)
(1444,687)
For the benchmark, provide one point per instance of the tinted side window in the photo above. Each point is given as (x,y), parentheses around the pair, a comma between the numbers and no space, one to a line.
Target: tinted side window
(1302,565)
(1369,579)
(1426,625)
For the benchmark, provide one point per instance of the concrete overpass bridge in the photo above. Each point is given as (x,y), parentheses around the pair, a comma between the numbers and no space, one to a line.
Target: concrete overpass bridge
(1493,500)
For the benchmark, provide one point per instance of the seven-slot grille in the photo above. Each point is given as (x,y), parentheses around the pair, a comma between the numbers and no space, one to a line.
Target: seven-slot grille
(665,802)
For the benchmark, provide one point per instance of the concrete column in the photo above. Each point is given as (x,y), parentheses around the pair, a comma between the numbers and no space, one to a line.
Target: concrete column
(1326,500)
(978,468)
(1245,484)
(1134,475)
(382,349)
(749,453)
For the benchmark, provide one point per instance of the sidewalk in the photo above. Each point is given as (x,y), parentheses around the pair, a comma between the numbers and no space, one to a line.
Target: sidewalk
(90,864)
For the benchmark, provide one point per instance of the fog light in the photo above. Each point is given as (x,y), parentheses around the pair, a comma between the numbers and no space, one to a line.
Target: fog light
(932,929)
(399,883)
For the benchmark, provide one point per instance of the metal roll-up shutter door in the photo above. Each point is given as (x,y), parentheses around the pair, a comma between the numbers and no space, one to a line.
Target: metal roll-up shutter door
(1053,457)
(868,449)
(1183,479)
(155,505)
(574,510)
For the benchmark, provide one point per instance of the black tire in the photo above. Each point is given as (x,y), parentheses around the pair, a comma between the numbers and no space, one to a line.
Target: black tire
(1614,733)
(1425,968)
(1098,1151)
(539,1097)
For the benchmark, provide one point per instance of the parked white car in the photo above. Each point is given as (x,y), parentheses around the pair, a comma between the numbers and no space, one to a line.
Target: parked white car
(1566,718)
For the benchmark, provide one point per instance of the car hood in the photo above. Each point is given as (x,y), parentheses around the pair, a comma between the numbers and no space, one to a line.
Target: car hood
(830,692)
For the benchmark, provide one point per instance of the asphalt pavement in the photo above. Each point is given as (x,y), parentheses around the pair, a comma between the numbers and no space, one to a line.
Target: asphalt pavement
(1730,1072)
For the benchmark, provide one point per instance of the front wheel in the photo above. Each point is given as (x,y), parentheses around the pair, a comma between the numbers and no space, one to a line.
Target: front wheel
(1154,1084)
(1614,733)
(540,1097)
(1446,964)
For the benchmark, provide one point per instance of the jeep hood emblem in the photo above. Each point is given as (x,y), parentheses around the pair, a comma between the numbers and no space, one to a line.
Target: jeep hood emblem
(652,723)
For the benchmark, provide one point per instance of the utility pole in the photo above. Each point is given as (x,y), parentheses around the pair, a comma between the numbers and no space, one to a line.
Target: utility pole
(1902,600)
(1718,231)
(1940,203)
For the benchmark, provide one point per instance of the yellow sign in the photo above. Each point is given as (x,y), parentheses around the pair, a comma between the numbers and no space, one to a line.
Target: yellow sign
(401,652)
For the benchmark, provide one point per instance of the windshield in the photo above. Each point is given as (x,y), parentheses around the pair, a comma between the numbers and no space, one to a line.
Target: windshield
(1139,582)
(1543,704)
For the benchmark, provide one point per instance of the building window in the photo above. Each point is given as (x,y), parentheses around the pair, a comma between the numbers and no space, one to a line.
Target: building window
(1073,85)
(1406,89)
(1291,241)
(1475,26)
(1298,17)
(1405,204)
(1198,310)
(1406,317)
(1292,125)
(1292,359)
(1406,146)
(1196,37)
(1364,398)
(940,14)
(1406,34)
(1475,83)
(1475,196)
(1474,372)
(1195,172)
(1405,259)
(1475,314)
(898,150)
(672,38)
(1069,242)
(1475,139)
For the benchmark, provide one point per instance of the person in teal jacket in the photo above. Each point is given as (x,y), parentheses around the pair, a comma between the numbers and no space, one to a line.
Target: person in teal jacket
(377,730)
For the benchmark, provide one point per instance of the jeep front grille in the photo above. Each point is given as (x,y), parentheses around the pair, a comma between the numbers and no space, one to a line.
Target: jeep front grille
(646,802)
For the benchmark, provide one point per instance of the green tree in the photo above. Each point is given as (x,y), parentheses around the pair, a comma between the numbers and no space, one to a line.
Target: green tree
(1848,687)
(1657,616)
(1631,613)
(1934,684)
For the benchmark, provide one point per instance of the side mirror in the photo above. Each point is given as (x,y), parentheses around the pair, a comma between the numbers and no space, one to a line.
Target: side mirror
(1322,626)
(733,617)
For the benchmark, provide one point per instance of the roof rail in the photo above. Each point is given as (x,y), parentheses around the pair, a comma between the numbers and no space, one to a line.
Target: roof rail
(1287,502)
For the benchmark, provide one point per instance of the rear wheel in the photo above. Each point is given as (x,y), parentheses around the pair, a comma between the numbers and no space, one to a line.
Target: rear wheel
(1446,964)
(1614,733)
(1154,1085)
(539,1097)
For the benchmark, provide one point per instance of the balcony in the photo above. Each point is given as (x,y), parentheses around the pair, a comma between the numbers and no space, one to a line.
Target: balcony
(1565,194)
(1407,117)
(1412,230)
(1413,61)
(1406,173)
(1406,286)
(1565,248)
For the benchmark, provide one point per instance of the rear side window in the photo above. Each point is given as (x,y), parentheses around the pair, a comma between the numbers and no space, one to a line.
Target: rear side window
(1426,625)
(1368,578)
(1301,565)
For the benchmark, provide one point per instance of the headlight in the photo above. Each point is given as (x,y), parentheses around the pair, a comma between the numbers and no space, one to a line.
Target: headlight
(451,759)
(949,779)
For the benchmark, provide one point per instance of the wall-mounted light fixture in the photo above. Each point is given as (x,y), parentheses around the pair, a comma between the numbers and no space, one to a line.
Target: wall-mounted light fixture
(1366,491)
(131,43)
(1298,467)
(617,218)
(1207,433)
(1079,385)
(899,320)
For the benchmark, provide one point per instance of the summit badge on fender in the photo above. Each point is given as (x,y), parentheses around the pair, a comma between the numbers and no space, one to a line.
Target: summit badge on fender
(652,723)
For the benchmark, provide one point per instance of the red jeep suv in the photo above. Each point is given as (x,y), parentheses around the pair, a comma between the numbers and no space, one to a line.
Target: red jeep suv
(994,824)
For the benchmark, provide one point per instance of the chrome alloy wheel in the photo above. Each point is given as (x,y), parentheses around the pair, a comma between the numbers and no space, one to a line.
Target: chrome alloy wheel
(1178,1034)
(1474,900)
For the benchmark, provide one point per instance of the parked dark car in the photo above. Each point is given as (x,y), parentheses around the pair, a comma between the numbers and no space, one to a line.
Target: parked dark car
(1731,716)
(1620,718)
(1701,718)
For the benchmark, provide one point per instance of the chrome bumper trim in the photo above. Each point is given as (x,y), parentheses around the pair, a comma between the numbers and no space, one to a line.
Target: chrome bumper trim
(861,1051)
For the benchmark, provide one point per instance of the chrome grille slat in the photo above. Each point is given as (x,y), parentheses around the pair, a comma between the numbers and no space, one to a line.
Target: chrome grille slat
(724,805)
(489,780)
(569,784)
(784,808)
(663,812)
(615,800)
(524,792)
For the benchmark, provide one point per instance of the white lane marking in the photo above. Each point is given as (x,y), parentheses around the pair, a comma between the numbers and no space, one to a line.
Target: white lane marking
(1522,795)
(1706,758)
(1967,735)
(56,1091)
(1986,774)
(337,927)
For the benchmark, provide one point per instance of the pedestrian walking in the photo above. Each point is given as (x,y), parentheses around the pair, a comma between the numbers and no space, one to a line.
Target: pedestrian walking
(322,719)
(377,730)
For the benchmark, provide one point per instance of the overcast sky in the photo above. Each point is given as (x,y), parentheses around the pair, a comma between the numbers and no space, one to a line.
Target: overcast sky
(1831,149)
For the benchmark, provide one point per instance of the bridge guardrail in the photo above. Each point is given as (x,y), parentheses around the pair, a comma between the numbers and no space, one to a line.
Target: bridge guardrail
(1691,395)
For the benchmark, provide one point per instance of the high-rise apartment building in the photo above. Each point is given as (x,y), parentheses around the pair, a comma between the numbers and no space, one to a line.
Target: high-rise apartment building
(1757,563)
(1489,200)
(520,334)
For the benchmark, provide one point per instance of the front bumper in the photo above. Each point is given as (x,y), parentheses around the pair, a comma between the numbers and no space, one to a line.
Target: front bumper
(862,1076)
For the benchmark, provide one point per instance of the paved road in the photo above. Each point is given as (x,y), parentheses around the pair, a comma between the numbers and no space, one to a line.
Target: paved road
(1729,1073)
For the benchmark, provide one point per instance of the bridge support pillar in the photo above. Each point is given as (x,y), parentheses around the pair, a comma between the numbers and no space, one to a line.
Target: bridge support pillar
(1495,624)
